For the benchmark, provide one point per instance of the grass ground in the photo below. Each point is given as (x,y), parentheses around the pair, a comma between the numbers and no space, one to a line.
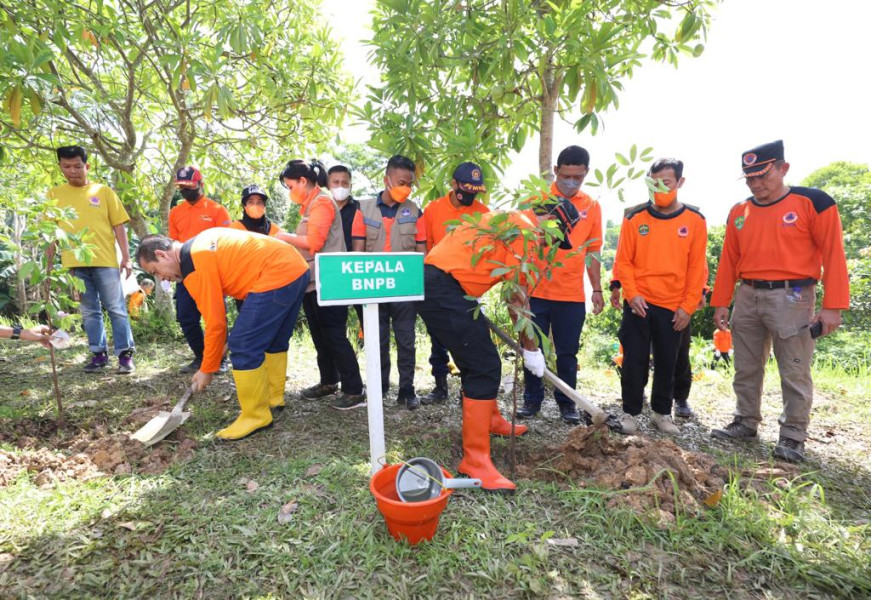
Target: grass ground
(209,528)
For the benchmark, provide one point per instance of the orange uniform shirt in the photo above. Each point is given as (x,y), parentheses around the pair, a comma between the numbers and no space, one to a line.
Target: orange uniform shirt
(454,253)
(388,215)
(662,257)
(722,340)
(134,303)
(273,228)
(566,281)
(797,237)
(439,212)
(227,262)
(187,220)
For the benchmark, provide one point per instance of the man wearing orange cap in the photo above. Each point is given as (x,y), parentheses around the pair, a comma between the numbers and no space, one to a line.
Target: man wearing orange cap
(466,184)
(271,277)
(778,244)
(391,222)
(451,279)
(195,215)
(558,303)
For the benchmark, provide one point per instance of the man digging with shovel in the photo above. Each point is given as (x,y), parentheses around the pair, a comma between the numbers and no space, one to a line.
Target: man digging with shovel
(450,277)
(271,277)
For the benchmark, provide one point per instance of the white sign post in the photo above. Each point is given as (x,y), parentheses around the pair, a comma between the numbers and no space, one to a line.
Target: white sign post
(371,279)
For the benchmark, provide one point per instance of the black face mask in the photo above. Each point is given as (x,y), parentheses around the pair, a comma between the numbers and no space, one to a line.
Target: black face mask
(191,195)
(465,198)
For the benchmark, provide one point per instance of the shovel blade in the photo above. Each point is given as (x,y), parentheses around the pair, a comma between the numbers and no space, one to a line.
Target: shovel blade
(159,427)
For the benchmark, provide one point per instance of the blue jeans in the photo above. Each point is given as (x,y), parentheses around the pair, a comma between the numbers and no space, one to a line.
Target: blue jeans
(265,324)
(564,320)
(103,291)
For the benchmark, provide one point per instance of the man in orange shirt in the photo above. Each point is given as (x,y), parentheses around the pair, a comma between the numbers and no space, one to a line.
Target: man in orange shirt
(558,304)
(778,243)
(661,263)
(450,279)
(466,184)
(391,222)
(722,347)
(271,277)
(196,214)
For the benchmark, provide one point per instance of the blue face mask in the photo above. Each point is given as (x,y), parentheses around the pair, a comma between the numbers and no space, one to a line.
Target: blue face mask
(568,187)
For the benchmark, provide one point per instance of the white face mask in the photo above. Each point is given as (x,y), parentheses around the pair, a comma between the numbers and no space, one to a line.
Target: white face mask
(340,193)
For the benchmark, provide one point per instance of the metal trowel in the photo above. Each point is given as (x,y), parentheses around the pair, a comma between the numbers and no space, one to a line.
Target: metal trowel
(164,422)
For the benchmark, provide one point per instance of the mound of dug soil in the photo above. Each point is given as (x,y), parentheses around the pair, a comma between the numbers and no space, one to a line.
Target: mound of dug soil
(85,457)
(656,476)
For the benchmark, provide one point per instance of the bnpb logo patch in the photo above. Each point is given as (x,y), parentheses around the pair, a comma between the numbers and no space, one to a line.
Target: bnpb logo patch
(643,229)
(790,218)
(583,215)
(683,231)
(749,159)
(476,174)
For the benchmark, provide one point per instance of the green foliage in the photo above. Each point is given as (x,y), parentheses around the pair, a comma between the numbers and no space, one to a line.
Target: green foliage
(150,87)
(476,80)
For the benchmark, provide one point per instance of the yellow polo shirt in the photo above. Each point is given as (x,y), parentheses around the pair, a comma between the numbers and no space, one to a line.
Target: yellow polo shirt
(99,210)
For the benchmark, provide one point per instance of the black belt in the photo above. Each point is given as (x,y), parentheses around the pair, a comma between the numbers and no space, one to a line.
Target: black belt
(761,284)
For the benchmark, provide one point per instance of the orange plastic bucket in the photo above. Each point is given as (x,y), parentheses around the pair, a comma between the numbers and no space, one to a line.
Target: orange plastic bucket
(414,521)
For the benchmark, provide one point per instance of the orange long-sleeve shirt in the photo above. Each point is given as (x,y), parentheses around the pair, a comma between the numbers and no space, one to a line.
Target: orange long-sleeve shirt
(319,219)
(796,237)
(439,212)
(454,253)
(566,281)
(662,257)
(226,262)
(187,220)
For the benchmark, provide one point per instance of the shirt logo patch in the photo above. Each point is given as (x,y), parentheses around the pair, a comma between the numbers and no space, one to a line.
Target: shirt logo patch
(206,218)
(790,218)
(683,231)
(94,200)
(583,215)
(739,223)
(406,212)
(643,229)
(749,159)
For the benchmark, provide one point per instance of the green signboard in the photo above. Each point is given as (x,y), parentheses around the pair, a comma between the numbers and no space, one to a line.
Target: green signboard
(369,277)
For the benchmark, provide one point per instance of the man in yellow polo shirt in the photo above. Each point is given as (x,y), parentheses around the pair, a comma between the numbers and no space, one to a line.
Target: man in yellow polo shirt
(99,211)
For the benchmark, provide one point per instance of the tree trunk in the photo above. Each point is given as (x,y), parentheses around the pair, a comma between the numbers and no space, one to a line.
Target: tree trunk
(549,100)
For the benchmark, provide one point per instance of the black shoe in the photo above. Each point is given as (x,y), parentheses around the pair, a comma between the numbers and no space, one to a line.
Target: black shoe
(409,399)
(349,402)
(789,450)
(527,411)
(193,366)
(320,390)
(99,361)
(682,409)
(736,430)
(439,393)
(569,415)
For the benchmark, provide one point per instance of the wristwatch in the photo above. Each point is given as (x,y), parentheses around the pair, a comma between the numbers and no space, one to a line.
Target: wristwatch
(16,332)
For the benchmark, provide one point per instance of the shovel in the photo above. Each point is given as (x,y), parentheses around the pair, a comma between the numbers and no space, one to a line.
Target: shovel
(164,422)
(597,413)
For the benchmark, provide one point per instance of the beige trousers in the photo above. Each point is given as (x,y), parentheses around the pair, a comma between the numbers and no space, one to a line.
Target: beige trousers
(762,318)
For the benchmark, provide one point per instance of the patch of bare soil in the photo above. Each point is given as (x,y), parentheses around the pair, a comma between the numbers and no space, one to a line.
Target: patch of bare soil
(95,452)
(655,478)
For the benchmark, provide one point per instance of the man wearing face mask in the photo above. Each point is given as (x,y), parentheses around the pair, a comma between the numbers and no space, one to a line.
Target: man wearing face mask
(187,219)
(391,222)
(466,184)
(339,184)
(450,279)
(254,213)
(558,304)
(662,267)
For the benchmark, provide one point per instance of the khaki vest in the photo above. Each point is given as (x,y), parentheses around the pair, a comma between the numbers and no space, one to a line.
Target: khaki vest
(335,241)
(402,233)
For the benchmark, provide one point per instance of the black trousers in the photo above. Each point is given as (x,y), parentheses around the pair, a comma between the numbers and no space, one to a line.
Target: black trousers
(683,371)
(448,316)
(401,316)
(637,334)
(336,358)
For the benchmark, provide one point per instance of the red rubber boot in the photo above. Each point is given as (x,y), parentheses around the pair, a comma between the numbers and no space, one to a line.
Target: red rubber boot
(476,462)
(499,425)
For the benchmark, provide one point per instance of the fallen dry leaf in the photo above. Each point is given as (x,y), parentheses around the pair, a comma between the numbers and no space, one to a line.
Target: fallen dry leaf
(252,486)
(566,542)
(285,513)
(313,470)
(714,499)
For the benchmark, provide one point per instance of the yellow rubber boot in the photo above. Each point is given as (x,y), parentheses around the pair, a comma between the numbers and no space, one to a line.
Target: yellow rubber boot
(276,372)
(252,387)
